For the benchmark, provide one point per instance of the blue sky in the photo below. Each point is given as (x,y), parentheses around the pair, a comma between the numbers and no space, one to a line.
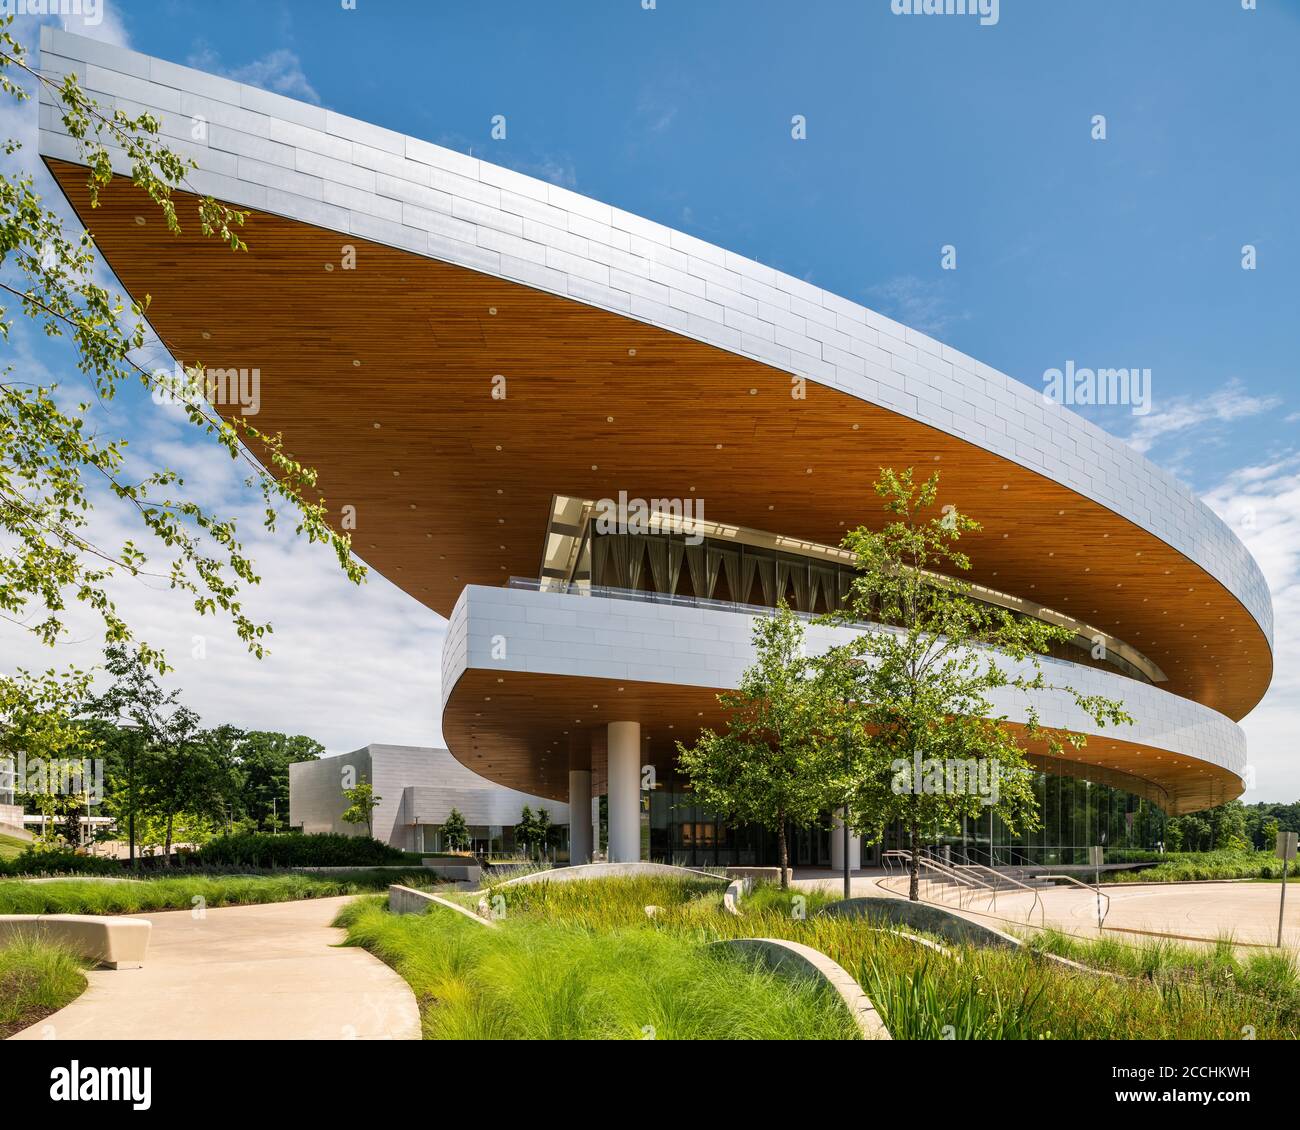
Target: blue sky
(923,131)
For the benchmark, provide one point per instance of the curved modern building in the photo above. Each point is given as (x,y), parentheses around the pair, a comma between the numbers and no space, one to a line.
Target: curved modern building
(481,364)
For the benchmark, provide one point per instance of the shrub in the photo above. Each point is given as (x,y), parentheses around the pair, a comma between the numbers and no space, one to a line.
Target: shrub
(36,979)
(36,861)
(178,892)
(296,849)
(1206,865)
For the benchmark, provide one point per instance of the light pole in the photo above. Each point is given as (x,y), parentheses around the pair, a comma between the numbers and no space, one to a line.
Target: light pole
(1286,848)
(848,881)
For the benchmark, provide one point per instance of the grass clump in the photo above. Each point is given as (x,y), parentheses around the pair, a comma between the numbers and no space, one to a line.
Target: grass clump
(583,957)
(604,904)
(544,980)
(91,896)
(36,979)
(1187,867)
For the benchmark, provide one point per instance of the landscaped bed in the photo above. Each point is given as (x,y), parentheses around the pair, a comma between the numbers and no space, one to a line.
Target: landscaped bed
(11,847)
(1203,866)
(98,896)
(36,979)
(541,980)
(458,968)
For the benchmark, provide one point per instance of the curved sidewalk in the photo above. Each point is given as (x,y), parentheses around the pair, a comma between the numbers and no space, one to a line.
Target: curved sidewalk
(268,972)
(1241,911)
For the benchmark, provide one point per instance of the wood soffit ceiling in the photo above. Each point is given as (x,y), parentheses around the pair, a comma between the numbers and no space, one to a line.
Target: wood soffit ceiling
(521,728)
(381,378)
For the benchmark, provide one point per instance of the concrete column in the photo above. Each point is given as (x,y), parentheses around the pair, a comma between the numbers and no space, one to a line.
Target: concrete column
(579,815)
(837,847)
(580,824)
(624,760)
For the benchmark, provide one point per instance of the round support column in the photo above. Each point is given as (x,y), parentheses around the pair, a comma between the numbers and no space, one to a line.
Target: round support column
(624,761)
(579,816)
(837,847)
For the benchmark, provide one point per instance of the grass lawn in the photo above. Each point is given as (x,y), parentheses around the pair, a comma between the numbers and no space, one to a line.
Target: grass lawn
(91,896)
(540,980)
(1204,865)
(471,980)
(36,979)
(11,847)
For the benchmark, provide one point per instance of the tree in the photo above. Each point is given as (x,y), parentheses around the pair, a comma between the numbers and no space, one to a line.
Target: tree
(362,803)
(1268,831)
(922,682)
(771,766)
(41,734)
(263,758)
(542,823)
(52,455)
(136,702)
(455,832)
(526,830)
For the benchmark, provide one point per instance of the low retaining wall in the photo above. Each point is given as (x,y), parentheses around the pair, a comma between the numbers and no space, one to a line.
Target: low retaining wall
(407,900)
(953,927)
(795,959)
(921,916)
(112,941)
(610,871)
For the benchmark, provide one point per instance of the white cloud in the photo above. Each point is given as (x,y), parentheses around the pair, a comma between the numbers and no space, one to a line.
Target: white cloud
(347,664)
(1179,414)
(1262,505)
(100,21)
(279,71)
(925,306)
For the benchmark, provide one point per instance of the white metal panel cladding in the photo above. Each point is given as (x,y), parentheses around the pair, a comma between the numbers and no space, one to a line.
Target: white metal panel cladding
(415,784)
(609,638)
(310,164)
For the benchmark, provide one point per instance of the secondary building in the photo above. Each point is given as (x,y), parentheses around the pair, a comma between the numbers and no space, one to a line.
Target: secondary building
(479,363)
(417,788)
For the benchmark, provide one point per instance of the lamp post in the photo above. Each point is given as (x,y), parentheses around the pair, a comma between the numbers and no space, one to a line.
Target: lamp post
(848,881)
(1286,848)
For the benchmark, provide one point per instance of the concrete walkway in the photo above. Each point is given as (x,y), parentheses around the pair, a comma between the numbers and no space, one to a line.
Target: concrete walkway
(1244,911)
(269,972)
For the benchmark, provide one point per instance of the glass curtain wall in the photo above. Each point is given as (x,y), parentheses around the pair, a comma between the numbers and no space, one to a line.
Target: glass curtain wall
(1075,815)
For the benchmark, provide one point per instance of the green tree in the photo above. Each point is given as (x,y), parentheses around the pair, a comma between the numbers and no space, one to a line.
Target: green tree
(526,830)
(52,454)
(39,729)
(362,803)
(135,703)
(262,758)
(1268,831)
(544,831)
(455,832)
(772,765)
(922,683)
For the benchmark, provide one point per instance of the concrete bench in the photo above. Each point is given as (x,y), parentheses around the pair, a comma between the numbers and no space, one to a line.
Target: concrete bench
(117,943)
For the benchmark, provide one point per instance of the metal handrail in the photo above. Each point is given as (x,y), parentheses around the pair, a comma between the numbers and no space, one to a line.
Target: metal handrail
(1003,878)
(942,869)
(1101,916)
